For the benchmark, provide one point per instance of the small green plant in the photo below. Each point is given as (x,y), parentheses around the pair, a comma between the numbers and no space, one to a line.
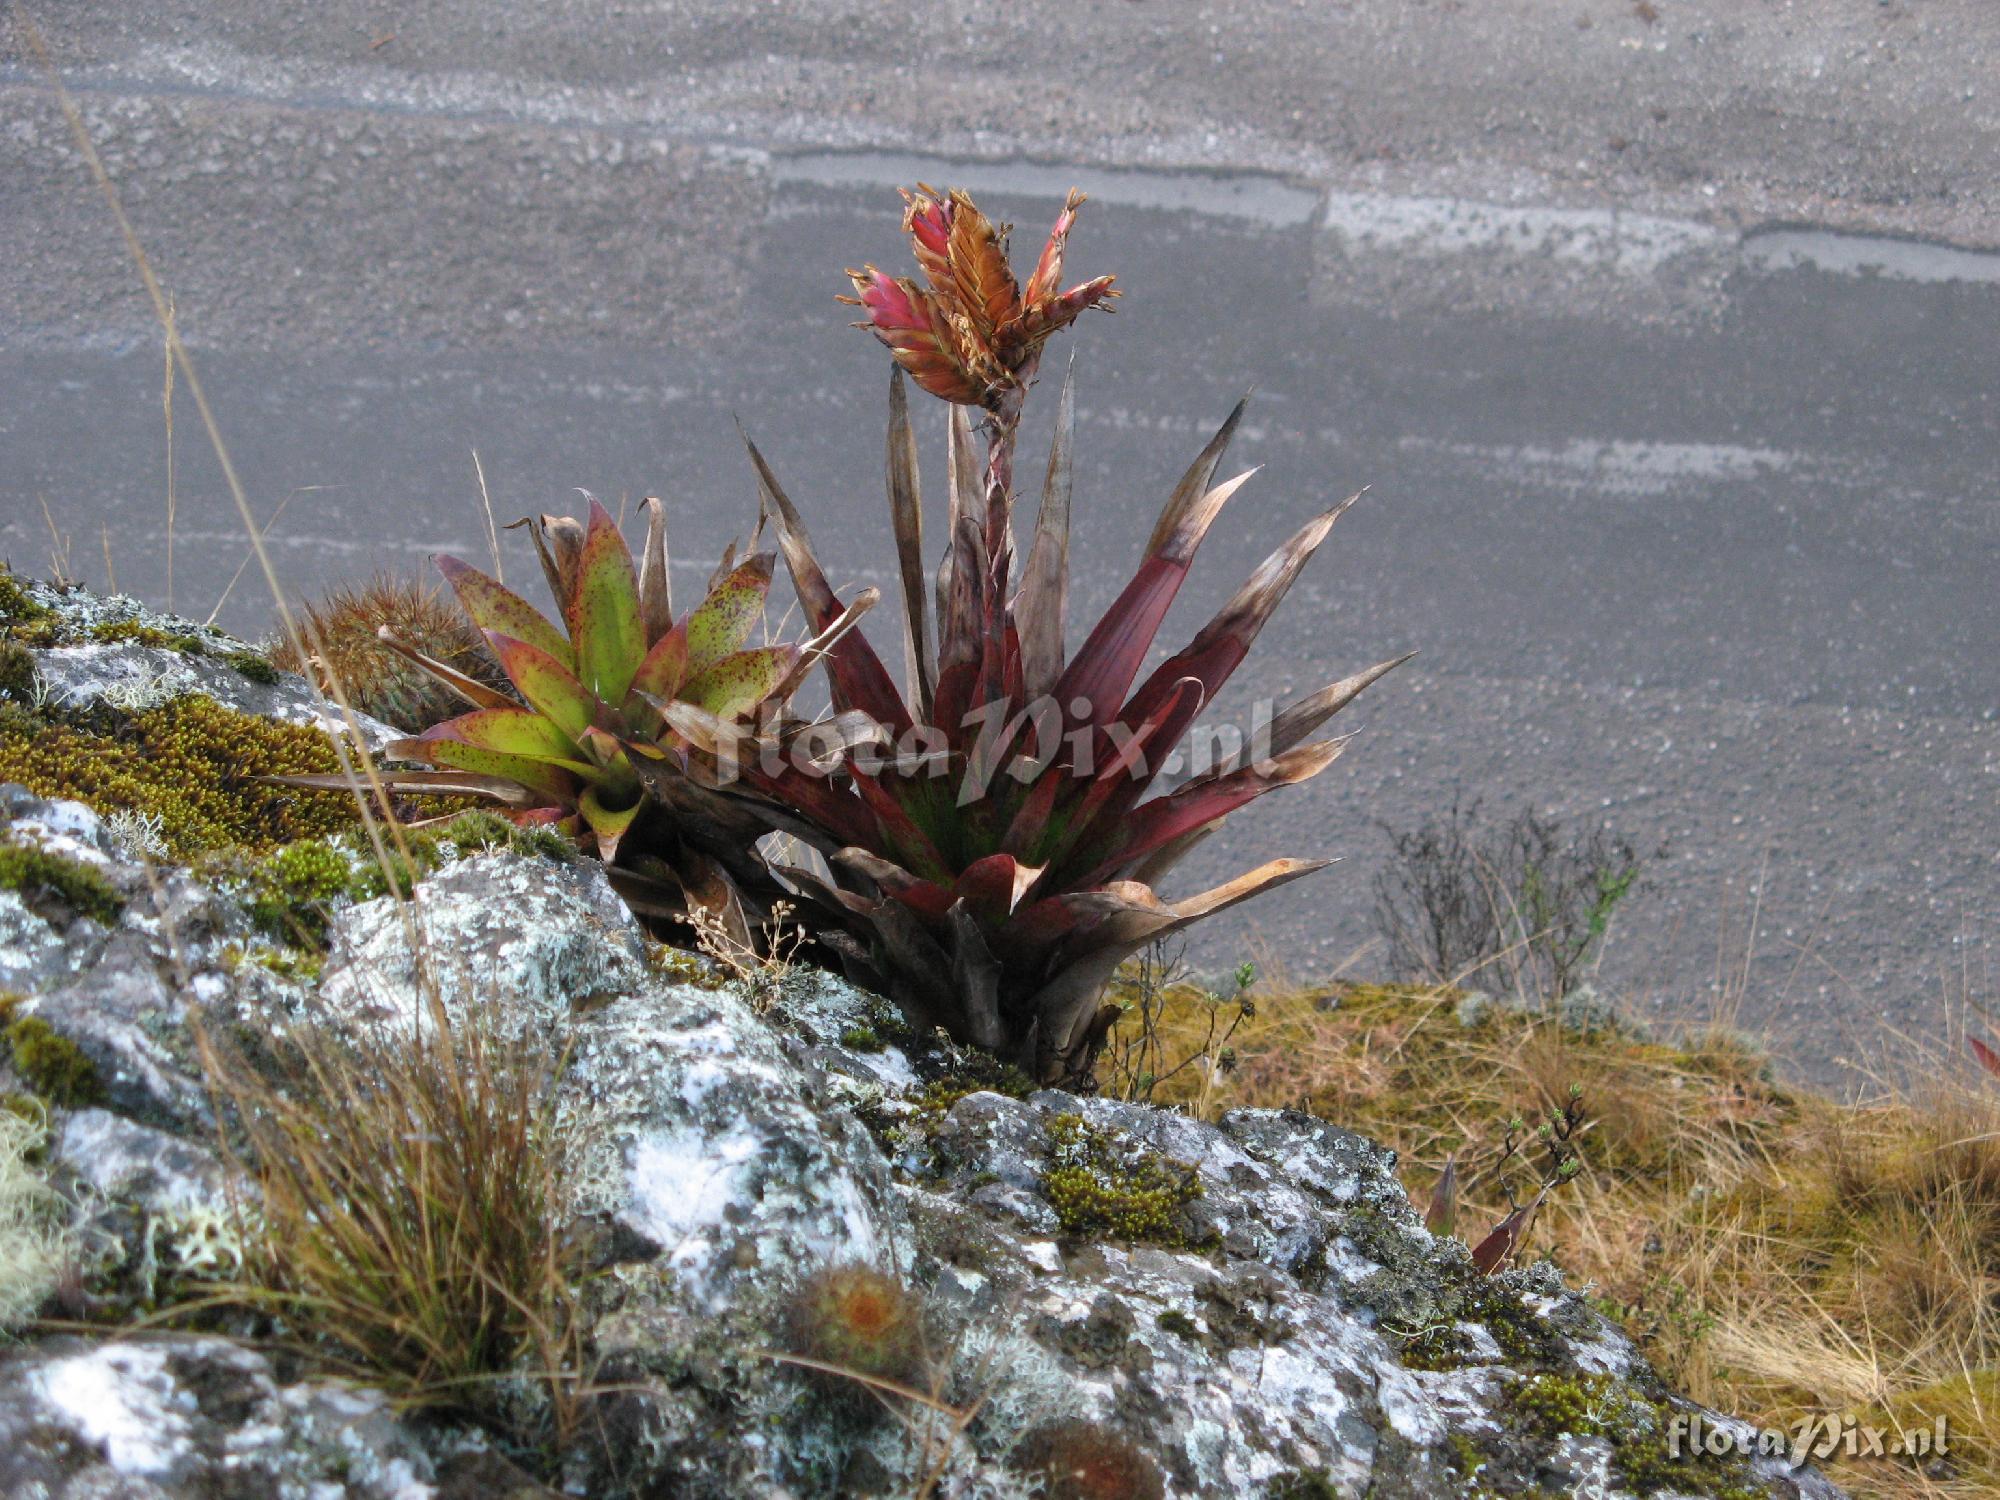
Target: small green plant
(1100,1184)
(18,677)
(591,743)
(1555,1136)
(292,891)
(17,606)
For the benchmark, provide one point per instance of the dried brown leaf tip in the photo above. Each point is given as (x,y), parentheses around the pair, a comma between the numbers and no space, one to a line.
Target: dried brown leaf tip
(971,334)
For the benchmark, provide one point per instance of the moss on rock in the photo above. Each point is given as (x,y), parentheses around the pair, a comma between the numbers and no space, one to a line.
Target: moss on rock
(41,876)
(190,762)
(1099,1184)
(51,1064)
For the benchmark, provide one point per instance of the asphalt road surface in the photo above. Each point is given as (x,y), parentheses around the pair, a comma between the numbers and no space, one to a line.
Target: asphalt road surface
(1665,337)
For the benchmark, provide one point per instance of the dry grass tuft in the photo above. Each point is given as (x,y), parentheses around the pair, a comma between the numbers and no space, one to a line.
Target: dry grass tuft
(1778,1253)
(409,1219)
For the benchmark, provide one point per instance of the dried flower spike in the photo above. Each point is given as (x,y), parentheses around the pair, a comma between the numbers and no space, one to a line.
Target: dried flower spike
(974,335)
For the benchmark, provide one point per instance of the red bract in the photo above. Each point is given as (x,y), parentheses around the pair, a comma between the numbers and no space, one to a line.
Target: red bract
(993,871)
(974,335)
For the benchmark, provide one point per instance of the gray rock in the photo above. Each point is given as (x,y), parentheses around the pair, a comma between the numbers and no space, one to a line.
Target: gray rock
(130,1021)
(160,1173)
(198,1417)
(132,676)
(544,936)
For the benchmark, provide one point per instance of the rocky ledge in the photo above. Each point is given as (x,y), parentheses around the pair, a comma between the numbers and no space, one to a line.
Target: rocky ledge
(1091,1297)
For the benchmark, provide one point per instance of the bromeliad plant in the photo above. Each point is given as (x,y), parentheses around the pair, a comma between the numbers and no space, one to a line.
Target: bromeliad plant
(993,871)
(586,745)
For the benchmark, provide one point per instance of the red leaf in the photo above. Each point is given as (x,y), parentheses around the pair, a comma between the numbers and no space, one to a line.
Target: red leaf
(1988,1058)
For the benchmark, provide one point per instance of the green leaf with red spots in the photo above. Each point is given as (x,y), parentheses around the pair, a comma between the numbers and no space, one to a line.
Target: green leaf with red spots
(494,606)
(550,688)
(740,681)
(722,622)
(604,619)
(517,731)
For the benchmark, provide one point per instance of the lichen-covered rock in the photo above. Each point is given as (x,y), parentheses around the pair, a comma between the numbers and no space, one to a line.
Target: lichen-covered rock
(1243,1308)
(126,1419)
(89,648)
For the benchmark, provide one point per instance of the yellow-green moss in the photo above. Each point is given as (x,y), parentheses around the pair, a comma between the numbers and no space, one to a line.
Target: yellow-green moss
(17,671)
(51,1064)
(1099,1186)
(291,892)
(253,665)
(192,763)
(133,633)
(16,608)
(39,876)
(1606,1406)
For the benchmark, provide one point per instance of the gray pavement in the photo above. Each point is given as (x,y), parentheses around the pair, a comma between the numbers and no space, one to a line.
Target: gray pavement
(1668,349)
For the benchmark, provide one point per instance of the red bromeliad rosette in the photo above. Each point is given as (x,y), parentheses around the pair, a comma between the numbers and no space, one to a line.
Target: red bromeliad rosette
(996,864)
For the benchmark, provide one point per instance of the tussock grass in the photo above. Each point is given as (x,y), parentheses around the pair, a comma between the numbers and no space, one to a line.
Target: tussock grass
(408,1222)
(1778,1253)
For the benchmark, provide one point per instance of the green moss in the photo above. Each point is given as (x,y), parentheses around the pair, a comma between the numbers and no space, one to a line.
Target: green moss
(1179,1324)
(51,1064)
(131,632)
(1099,1185)
(191,762)
(1605,1406)
(39,875)
(253,665)
(1441,1345)
(293,891)
(980,1074)
(17,672)
(686,968)
(548,843)
(16,608)
(410,859)
(1465,1454)
(861,1039)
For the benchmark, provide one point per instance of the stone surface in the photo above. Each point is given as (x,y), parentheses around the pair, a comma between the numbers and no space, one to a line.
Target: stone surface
(130,1420)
